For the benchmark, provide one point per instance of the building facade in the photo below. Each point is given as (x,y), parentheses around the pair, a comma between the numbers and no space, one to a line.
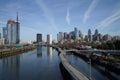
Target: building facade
(13,32)
(39,38)
(76,35)
(2,41)
(0,35)
(49,39)
(90,35)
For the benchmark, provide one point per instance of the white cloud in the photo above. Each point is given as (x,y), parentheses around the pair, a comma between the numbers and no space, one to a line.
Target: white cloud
(89,10)
(68,16)
(48,13)
(109,20)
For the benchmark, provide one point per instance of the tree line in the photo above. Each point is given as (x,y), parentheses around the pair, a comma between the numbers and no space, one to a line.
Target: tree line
(111,45)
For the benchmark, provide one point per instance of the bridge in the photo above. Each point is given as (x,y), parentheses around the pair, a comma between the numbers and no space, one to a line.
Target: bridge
(112,52)
(77,75)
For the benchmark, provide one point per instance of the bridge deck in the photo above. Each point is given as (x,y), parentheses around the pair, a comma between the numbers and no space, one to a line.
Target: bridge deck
(77,75)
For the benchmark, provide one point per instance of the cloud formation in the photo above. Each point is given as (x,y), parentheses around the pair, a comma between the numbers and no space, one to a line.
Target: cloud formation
(109,20)
(47,13)
(89,10)
(68,16)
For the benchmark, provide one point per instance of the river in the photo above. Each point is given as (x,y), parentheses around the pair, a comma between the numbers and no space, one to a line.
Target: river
(39,64)
(43,63)
(92,71)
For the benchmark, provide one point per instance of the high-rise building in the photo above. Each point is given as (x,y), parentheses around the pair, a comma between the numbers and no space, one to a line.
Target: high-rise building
(96,36)
(0,35)
(80,34)
(60,36)
(2,41)
(65,35)
(17,29)
(86,38)
(89,36)
(107,37)
(49,39)
(39,38)
(76,33)
(96,32)
(4,32)
(13,32)
(72,34)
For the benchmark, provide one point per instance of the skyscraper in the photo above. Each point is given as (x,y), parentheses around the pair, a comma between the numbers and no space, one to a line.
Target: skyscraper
(13,32)
(89,36)
(76,33)
(39,38)
(96,32)
(96,36)
(0,35)
(17,30)
(65,35)
(60,36)
(4,32)
(49,39)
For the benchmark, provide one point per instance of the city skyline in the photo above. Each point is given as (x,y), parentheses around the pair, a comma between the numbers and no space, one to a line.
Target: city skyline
(51,17)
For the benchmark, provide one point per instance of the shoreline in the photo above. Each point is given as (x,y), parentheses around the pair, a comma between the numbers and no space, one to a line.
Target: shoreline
(14,51)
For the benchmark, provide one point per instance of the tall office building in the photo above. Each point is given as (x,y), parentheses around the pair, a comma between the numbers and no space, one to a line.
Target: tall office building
(13,32)
(4,32)
(65,35)
(96,32)
(58,39)
(0,35)
(17,30)
(107,37)
(39,38)
(76,33)
(96,36)
(49,39)
(60,36)
(89,36)
(80,34)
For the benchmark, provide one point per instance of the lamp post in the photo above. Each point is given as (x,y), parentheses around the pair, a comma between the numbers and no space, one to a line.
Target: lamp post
(90,69)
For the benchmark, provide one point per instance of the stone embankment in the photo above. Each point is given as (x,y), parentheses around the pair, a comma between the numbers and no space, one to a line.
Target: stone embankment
(14,51)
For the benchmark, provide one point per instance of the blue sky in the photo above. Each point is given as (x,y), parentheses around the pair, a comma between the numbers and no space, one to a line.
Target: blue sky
(53,16)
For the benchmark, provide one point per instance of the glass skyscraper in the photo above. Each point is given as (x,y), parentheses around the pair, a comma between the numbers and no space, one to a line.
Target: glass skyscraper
(13,32)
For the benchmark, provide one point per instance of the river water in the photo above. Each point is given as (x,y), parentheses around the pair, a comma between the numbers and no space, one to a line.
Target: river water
(39,64)
(92,71)
(43,63)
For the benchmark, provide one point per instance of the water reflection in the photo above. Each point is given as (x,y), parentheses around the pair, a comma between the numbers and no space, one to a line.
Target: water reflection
(28,66)
(10,67)
(49,52)
(39,51)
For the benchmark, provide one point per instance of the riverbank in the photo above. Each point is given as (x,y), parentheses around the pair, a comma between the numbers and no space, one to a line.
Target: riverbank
(14,51)
(99,60)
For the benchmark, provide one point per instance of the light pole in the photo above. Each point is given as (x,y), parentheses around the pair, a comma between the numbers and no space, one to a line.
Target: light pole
(90,69)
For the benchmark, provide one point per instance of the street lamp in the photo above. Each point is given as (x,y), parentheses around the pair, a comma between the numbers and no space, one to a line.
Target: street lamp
(90,69)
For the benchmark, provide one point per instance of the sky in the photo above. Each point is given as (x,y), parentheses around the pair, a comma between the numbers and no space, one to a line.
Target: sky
(53,16)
